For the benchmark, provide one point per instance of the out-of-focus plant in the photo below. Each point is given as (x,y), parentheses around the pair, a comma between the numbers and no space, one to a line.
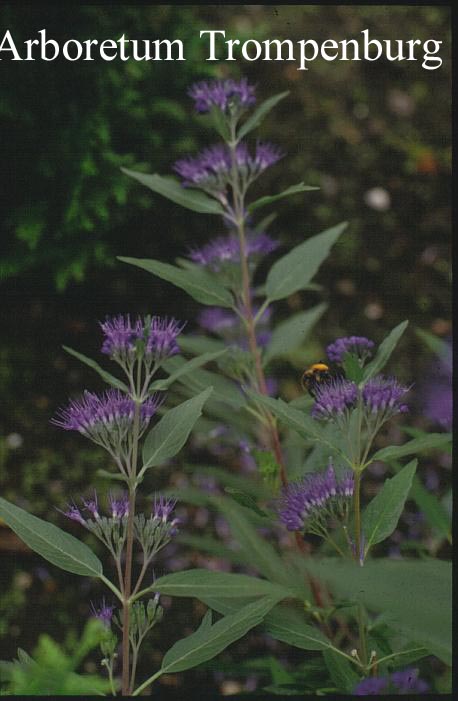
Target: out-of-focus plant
(68,202)
(352,402)
(52,670)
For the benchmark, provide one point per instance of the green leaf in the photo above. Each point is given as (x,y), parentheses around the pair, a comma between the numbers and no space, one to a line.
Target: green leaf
(201,582)
(170,434)
(382,514)
(435,344)
(218,120)
(224,390)
(186,368)
(268,467)
(341,671)
(268,199)
(197,345)
(261,553)
(109,379)
(202,286)
(226,606)
(433,510)
(296,269)
(231,479)
(170,187)
(384,351)
(290,334)
(111,475)
(288,625)
(352,369)
(212,546)
(417,445)
(260,112)
(246,500)
(56,546)
(297,420)
(415,596)
(207,642)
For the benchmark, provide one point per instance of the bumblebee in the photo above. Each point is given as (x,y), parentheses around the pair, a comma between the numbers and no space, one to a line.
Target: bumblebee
(319,374)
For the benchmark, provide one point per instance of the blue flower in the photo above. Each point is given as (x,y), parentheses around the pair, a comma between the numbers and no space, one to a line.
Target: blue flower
(357,345)
(222,94)
(307,504)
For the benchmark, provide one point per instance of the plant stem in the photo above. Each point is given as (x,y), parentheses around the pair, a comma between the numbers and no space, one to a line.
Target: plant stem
(332,542)
(111,586)
(239,209)
(135,650)
(357,510)
(129,551)
(155,676)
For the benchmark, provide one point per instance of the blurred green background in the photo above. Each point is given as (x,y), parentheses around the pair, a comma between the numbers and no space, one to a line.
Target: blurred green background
(374,136)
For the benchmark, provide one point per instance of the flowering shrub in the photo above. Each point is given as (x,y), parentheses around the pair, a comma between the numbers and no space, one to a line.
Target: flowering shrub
(310,454)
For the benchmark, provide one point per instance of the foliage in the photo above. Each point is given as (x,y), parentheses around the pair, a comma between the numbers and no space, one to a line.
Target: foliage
(69,202)
(52,670)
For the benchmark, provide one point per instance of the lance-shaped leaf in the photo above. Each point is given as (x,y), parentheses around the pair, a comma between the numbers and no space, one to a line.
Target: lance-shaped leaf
(224,390)
(283,623)
(295,419)
(260,112)
(109,379)
(288,625)
(49,541)
(261,553)
(201,286)
(196,344)
(171,188)
(382,514)
(435,344)
(268,199)
(417,445)
(199,583)
(213,547)
(170,434)
(341,671)
(433,510)
(384,351)
(296,269)
(290,334)
(185,369)
(415,596)
(208,641)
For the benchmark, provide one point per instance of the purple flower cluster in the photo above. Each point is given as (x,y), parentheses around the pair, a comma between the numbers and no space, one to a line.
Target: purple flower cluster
(380,396)
(163,507)
(222,94)
(226,250)
(357,345)
(105,418)
(162,510)
(103,613)
(121,335)
(211,169)
(219,321)
(334,399)
(158,334)
(403,682)
(438,394)
(384,396)
(119,508)
(162,337)
(315,498)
